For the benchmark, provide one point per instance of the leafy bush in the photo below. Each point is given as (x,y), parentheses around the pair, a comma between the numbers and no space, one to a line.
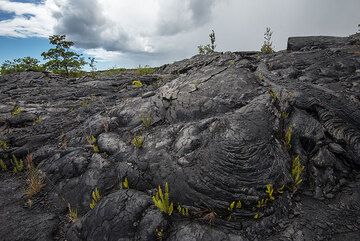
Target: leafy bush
(209,48)
(60,59)
(21,65)
(267,47)
(161,200)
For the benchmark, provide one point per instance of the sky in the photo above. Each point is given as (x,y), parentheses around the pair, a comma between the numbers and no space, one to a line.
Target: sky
(129,33)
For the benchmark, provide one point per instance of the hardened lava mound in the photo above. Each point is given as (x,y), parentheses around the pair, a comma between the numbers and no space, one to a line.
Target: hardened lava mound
(252,147)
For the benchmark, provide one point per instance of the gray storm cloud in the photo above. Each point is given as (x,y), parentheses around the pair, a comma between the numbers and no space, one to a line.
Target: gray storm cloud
(179,16)
(85,23)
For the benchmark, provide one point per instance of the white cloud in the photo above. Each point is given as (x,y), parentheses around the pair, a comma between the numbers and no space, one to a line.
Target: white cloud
(30,19)
(102,55)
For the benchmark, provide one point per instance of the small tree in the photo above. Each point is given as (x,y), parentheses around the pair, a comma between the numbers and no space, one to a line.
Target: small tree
(209,48)
(267,47)
(92,63)
(61,59)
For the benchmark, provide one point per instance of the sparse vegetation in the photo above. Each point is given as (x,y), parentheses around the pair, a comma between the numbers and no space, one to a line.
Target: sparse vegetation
(95,198)
(161,200)
(35,180)
(138,141)
(146,120)
(273,94)
(18,164)
(267,47)
(208,48)
(20,65)
(3,165)
(4,145)
(146,70)
(92,141)
(17,110)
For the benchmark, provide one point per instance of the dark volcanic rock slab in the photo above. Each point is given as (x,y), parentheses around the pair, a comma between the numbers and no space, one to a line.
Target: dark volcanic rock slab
(218,128)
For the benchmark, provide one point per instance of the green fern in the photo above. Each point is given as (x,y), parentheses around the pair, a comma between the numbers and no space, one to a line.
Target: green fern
(270,192)
(125,184)
(18,164)
(161,200)
(234,205)
(95,198)
(16,110)
(288,137)
(183,211)
(4,145)
(3,165)
(296,170)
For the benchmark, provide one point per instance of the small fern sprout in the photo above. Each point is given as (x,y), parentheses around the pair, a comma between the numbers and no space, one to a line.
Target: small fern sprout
(182,210)
(125,183)
(18,164)
(95,198)
(270,192)
(288,137)
(73,214)
(281,189)
(92,141)
(16,110)
(161,200)
(234,205)
(296,170)
(138,141)
(3,165)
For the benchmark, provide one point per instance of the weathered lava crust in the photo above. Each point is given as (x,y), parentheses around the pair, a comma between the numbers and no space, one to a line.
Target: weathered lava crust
(219,128)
